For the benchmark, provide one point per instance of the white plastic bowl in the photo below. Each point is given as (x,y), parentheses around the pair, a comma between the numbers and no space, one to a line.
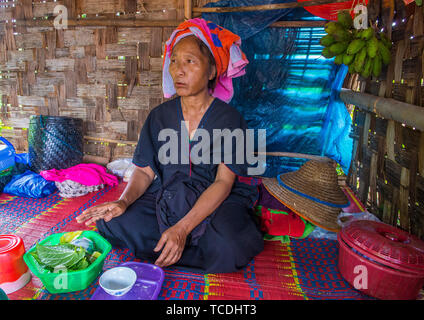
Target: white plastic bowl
(118,281)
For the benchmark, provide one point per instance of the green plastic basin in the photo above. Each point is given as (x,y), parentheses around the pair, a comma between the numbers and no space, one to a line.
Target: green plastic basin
(62,281)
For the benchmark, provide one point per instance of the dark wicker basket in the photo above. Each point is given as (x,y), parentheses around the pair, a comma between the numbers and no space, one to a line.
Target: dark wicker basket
(54,142)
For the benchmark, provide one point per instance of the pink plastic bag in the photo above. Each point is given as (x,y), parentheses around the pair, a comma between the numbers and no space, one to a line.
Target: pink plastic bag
(89,174)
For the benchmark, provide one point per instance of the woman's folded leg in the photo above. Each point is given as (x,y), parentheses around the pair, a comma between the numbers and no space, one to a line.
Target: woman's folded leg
(230,241)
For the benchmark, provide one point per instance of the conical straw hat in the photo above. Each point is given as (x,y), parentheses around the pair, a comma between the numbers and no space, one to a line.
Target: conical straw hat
(312,192)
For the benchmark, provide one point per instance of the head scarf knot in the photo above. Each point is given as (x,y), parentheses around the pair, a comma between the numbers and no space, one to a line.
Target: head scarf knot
(225,47)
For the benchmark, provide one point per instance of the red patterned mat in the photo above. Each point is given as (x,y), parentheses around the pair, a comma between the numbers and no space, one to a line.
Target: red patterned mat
(303,269)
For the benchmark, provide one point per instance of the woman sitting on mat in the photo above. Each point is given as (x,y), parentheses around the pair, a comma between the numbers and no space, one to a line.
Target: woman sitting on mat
(195,215)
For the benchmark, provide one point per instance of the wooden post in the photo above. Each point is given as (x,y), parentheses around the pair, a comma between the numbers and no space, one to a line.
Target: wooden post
(395,207)
(366,131)
(387,212)
(421,155)
(403,199)
(188,9)
(390,140)
(373,180)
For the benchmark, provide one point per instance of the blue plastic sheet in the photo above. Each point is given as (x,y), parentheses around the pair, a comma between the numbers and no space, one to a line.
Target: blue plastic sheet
(289,88)
(22,158)
(246,24)
(337,143)
(30,184)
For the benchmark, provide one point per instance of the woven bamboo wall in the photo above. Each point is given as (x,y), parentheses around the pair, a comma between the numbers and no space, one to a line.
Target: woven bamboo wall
(388,167)
(106,75)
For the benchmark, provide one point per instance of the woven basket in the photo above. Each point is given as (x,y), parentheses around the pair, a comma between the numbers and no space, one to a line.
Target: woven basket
(54,142)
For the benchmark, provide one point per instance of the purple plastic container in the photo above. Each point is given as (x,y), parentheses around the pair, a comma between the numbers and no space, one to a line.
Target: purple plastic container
(147,286)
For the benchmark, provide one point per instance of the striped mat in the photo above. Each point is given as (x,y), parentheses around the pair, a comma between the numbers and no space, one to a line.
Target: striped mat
(303,269)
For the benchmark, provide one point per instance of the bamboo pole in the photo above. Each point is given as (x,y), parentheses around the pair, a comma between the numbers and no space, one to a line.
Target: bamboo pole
(133,143)
(273,154)
(405,113)
(298,24)
(287,24)
(144,23)
(128,23)
(294,155)
(102,22)
(275,6)
(188,9)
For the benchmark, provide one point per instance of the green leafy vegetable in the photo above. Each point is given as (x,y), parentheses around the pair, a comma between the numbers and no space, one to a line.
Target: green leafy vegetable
(40,266)
(72,256)
(66,255)
(82,264)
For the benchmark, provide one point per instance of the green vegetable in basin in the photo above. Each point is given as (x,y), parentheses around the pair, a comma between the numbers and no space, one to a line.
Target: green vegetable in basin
(80,275)
(64,255)
(60,255)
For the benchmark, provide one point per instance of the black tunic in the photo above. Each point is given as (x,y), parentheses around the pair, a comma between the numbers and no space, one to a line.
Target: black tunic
(229,238)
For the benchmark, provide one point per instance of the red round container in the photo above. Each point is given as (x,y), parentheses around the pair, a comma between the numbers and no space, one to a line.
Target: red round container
(14,273)
(381,260)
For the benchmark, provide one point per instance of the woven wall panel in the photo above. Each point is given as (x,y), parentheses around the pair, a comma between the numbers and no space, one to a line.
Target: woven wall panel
(389,156)
(6,13)
(42,9)
(125,49)
(18,136)
(144,9)
(132,36)
(109,76)
(29,40)
(79,37)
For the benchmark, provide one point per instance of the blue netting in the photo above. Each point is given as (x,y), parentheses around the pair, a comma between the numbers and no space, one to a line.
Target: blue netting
(246,24)
(289,89)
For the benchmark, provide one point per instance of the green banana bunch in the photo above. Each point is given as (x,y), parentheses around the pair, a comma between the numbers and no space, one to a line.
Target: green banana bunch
(372,47)
(327,40)
(345,19)
(363,51)
(339,47)
(355,46)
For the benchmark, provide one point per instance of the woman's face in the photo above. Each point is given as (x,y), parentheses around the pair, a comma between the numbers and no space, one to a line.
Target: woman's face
(189,68)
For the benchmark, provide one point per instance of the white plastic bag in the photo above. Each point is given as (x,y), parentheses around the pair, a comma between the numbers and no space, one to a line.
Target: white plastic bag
(320,233)
(345,218)
(119,167)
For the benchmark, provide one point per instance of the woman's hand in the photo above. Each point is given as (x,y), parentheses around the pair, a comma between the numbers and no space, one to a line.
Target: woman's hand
(173,242)
(140,180)
(106,211)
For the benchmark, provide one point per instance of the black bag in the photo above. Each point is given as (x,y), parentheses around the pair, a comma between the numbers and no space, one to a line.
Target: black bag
(175,199)
(54,142)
